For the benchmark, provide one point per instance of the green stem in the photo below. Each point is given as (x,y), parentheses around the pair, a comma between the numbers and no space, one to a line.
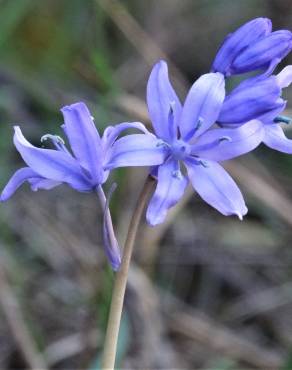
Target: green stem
(112,332)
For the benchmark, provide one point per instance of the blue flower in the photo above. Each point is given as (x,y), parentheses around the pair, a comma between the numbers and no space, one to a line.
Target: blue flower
(83,169)
(251,47)
(260,98)
(185,148)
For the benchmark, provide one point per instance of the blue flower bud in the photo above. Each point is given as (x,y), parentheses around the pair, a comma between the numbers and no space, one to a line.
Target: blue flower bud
(266,52)
(236,42)
(252,99)
(253,46)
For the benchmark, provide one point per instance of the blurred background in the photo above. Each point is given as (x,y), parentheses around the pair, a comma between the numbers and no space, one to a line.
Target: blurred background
(205,291)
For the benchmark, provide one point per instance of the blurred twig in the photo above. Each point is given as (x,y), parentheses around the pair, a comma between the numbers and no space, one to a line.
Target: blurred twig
(201,329)
(204,330)
(71,346)
(153,350)
(260,302)
(133,106)
(12,312)
(258,187)
(67,245)
(136,35)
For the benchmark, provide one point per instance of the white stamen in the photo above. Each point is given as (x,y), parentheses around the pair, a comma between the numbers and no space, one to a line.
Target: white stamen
(55,138)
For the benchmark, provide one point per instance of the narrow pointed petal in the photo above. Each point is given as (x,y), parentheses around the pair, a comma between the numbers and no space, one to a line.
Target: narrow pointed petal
(37,183)
(202,106)
(169,190)
(284,78)
(136,150)
(250,100)
(264,52)
(19,177)
(217,188)
(276,139)
(51,164)
(161,101)
(223,144)
(111,133)
(237,41)
(84,139)
(111,245)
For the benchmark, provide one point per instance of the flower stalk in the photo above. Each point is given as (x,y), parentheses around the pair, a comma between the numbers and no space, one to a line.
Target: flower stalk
(114,319)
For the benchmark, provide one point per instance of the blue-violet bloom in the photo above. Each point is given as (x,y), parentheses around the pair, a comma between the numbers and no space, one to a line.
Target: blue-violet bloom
(260,98)
(83,169)
(183,137)
(251,47)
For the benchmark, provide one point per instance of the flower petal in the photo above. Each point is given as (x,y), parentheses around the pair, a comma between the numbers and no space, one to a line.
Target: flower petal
(222,144)
(264,52)
(276,139)
(170,188)
(111,133)
(217,188)
(136,150)
(237,41)
(111,245)
(284,78)
(19,177)
(37,183)
(162,102)
(202,105)
(84,139)
(51,164)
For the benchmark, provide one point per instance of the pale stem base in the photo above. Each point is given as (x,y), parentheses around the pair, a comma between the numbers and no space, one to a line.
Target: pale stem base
(114,319)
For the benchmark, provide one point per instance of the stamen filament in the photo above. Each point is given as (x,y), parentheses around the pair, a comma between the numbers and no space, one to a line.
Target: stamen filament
(57,141)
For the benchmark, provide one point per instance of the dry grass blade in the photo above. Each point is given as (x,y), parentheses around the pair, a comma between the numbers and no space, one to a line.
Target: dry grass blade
(134,107)
(71,346)
(140,39)
(260,302)
(266,193)
(203,330)
(12,312)
(152,348)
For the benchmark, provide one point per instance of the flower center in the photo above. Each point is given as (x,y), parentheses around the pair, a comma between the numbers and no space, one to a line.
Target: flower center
(180,150)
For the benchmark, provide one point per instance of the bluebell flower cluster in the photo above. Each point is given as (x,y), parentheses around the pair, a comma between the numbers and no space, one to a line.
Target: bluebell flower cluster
(189,140)
(185,139)
(83,169)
